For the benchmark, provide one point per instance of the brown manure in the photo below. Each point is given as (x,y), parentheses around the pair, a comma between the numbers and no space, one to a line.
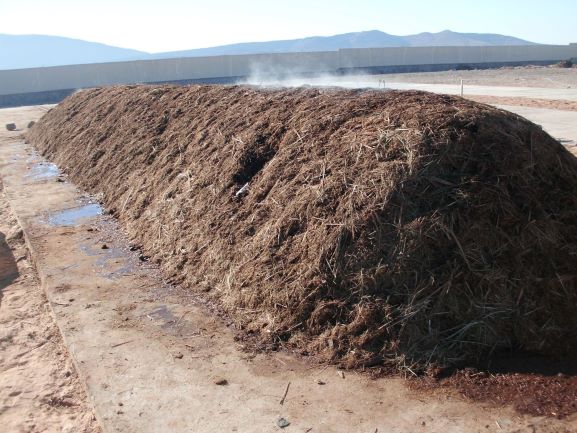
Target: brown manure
(367,228)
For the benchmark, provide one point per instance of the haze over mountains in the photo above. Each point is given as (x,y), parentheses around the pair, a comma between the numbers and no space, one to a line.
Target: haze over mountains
(29,51)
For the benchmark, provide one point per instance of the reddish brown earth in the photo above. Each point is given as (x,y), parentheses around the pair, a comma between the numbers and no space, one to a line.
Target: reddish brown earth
(390,228)
(531,384)
(529,393)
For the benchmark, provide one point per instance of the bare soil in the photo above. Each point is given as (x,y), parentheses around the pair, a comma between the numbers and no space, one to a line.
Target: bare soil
(366,228)
(552,104)
(527,76)
(39,388)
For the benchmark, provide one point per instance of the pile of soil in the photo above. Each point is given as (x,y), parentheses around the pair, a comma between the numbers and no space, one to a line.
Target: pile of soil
(394,228)
(565,64)
(535,385)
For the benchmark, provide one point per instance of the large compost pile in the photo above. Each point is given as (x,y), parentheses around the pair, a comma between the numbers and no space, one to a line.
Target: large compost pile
(365,227)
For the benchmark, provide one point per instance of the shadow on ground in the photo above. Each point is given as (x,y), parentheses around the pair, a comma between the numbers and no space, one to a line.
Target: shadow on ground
(527,363)
(8,267)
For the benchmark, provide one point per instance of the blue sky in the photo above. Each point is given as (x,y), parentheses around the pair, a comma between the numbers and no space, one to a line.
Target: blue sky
(167,25)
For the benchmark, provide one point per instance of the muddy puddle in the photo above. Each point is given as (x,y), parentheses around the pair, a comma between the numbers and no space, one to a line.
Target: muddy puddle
(43,170)
(112,263)
(172,324)
(74,216)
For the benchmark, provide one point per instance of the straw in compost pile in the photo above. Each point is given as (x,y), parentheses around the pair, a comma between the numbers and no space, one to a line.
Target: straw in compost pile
(392,228)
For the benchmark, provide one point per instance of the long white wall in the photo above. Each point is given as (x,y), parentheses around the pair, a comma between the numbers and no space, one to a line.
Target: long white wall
(22,81)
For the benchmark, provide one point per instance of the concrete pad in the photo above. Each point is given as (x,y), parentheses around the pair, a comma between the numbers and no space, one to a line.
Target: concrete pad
(150,355)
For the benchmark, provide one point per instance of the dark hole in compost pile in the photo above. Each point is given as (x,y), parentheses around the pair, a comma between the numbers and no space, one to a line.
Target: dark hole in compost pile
(253,159)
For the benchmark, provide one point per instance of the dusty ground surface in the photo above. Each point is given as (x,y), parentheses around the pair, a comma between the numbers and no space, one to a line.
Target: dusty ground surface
(552,104)
(528,76)
(39,388)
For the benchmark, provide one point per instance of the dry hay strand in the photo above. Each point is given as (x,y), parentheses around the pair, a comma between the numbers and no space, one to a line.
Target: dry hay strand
(368,228)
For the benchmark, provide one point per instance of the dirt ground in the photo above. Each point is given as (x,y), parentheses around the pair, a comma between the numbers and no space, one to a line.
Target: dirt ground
(552,104)
(39,388)
(528,76)
(550,77)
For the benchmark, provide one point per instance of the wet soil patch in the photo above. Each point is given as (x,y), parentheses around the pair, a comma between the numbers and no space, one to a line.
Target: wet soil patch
(71,217)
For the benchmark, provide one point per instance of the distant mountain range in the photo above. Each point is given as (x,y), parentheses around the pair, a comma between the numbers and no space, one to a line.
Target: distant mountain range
(29,51)
(371,39)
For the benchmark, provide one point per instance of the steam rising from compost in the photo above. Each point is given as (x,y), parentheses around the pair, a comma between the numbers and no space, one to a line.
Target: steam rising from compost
(275,77)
